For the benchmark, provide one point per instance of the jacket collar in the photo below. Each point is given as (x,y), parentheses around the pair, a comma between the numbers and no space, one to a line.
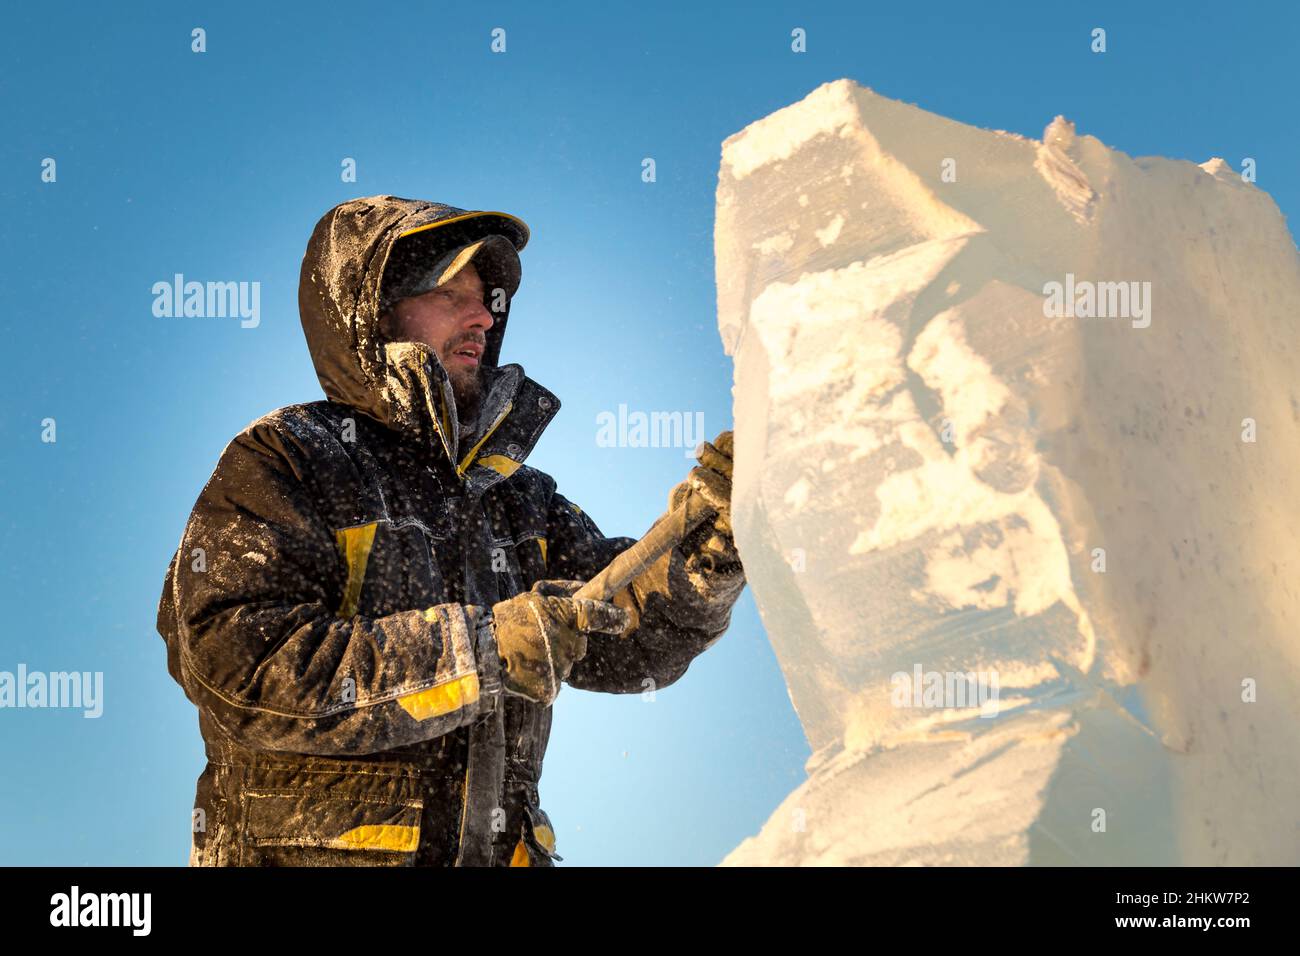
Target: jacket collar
(514,412)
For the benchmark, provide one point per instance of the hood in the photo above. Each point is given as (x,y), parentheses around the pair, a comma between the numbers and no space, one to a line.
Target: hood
(402,385)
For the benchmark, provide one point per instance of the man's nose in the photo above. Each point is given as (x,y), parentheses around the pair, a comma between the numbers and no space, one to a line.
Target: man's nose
(478,317)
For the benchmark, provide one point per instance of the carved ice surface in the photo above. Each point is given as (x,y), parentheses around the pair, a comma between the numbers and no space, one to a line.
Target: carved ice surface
(935,477)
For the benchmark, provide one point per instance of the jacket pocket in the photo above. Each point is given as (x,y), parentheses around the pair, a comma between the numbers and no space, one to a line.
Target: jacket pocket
(299,827)
(390,567)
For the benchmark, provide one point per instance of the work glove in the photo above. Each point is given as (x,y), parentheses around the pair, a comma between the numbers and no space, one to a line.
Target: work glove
(542,632)
(714,548)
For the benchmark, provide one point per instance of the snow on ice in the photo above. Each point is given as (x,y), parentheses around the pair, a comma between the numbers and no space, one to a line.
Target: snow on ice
(1017,489)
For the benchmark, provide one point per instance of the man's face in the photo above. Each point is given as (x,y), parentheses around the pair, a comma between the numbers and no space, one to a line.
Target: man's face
(452,320)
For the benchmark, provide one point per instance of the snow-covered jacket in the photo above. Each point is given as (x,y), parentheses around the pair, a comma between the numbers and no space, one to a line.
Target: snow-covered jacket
(325,609)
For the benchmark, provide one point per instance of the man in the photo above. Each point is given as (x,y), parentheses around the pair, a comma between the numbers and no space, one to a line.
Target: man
(371,605)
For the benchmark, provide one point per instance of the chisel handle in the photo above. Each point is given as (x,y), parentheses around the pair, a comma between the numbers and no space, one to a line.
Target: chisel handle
(668,532)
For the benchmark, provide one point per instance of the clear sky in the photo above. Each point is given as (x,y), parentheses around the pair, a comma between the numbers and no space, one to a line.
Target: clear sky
(217,165)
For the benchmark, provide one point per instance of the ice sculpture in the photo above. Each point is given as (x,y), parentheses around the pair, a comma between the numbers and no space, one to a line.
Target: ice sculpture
(1017,489)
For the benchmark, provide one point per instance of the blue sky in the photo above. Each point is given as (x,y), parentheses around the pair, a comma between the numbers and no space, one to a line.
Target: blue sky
(216,165)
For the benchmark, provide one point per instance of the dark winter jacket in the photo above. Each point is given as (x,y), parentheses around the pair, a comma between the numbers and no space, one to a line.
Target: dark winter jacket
(325,608)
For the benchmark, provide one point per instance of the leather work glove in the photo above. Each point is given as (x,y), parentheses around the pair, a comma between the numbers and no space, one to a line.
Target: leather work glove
(711,480)
(542,632)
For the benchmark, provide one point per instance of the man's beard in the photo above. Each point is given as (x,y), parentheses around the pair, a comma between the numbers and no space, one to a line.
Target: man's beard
(467,386)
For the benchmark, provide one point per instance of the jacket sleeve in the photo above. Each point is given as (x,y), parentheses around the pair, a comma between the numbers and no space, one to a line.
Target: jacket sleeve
(250,612)
(676,614)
